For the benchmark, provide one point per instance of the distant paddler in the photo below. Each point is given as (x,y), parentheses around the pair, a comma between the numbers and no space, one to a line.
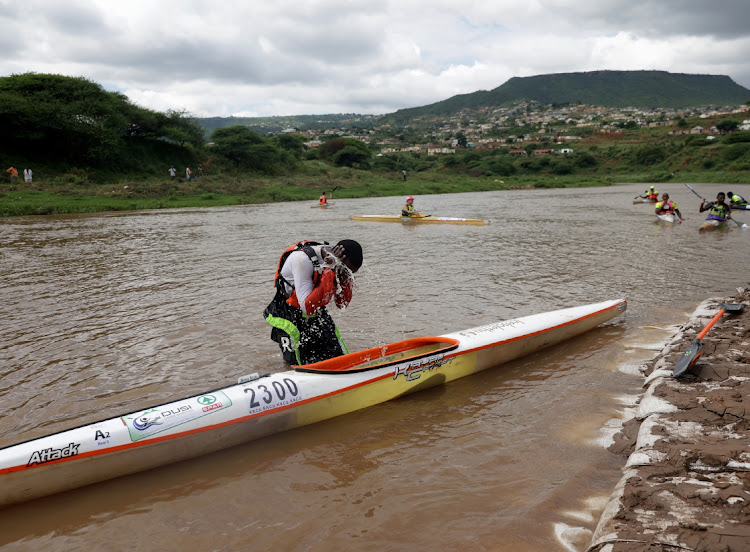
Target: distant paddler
(651,194)
(666,207)
(408,209)
(736,199)
(323,200)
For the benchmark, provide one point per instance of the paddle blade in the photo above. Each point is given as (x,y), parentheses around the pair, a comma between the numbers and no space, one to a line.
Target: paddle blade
(688,358)
(733,308)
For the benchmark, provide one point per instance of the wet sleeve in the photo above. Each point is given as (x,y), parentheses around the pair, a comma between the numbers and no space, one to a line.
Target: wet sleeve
(344,295)
(321,294)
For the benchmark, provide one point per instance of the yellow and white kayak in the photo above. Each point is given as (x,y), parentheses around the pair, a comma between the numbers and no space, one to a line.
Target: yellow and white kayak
(428,219)
(263,405)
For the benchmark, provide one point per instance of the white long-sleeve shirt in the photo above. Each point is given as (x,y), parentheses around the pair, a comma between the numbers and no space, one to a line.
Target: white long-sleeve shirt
(298,269)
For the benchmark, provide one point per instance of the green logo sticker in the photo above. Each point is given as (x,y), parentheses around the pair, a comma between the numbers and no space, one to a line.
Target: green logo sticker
(206,399)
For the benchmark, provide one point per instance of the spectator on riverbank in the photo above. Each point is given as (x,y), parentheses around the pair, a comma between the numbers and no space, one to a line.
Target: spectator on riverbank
(172,172)
(200,170)
(13,174)
(188,173)
(27,174)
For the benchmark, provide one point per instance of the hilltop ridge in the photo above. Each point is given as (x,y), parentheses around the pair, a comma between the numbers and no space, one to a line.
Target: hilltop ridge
(644,89)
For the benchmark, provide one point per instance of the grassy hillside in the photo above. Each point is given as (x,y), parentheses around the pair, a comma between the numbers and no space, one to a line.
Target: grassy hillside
(647,89)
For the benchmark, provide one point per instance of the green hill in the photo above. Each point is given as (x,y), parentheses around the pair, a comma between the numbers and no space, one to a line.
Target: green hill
(641,89)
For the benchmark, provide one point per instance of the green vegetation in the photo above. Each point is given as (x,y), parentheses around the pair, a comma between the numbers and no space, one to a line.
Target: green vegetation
(93,150)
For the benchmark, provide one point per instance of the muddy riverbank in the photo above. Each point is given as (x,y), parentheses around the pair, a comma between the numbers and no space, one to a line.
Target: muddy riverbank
(686,480)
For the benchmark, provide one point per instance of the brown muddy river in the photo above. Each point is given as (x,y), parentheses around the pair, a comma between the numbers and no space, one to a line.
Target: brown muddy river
(107,314)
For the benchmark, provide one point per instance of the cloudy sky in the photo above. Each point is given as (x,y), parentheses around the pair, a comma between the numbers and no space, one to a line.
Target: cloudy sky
(287,57)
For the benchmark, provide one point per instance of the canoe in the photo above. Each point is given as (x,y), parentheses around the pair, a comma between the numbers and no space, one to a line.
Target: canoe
(712,225)
(643,200)
(669,218)
(740,207)
(258,406)
(430,219)
(323,205)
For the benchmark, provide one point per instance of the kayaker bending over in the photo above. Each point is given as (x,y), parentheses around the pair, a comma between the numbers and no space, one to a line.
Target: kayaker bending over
(665,207)
(322,200)
(408,209)
(309,276)
(736,199)
(718,210)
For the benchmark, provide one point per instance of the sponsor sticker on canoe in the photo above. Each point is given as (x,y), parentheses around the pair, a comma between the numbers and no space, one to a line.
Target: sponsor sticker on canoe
(51,454)
(497,326)
(161,418)
(413,370)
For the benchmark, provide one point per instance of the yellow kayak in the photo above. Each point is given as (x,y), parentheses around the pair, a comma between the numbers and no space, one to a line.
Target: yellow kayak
(427,219)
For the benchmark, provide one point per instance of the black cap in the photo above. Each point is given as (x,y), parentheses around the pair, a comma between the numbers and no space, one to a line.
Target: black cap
(353,252)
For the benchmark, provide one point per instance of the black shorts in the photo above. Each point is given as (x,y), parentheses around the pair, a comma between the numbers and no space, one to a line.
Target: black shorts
(303,339)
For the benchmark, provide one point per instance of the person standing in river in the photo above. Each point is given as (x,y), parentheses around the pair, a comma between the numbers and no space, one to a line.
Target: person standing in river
(309,276)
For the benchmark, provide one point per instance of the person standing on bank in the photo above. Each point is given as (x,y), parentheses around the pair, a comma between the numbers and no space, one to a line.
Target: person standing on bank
(172,172)
(27,175)
(309,276)
(13,174)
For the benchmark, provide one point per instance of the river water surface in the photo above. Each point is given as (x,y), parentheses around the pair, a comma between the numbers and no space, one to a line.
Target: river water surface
(107,314)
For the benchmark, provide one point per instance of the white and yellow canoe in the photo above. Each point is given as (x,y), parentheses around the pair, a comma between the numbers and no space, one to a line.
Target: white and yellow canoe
(263,405)
(427,219)
(713,225)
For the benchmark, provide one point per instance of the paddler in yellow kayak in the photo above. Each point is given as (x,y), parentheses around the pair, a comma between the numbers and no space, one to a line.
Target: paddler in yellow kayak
(664,207)
(408,209)
(309,276)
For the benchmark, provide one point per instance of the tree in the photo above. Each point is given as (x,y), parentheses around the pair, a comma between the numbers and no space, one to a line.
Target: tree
(293,143)
(234,143)
(728,126)
(356,152)
(74,120)
(352,156)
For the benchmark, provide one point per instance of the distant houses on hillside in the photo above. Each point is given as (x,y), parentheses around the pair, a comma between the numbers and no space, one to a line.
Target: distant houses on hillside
(549,124)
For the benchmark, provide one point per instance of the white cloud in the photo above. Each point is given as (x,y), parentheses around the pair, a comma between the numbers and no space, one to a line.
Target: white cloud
(224,57)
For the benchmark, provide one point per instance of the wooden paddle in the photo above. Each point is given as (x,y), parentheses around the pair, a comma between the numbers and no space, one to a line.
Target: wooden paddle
(743,225)
(690,356)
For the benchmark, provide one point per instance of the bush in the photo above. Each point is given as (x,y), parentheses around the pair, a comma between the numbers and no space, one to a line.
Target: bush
(585,161)
(648,155)
(735,151)
(735,137)
(562,169)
